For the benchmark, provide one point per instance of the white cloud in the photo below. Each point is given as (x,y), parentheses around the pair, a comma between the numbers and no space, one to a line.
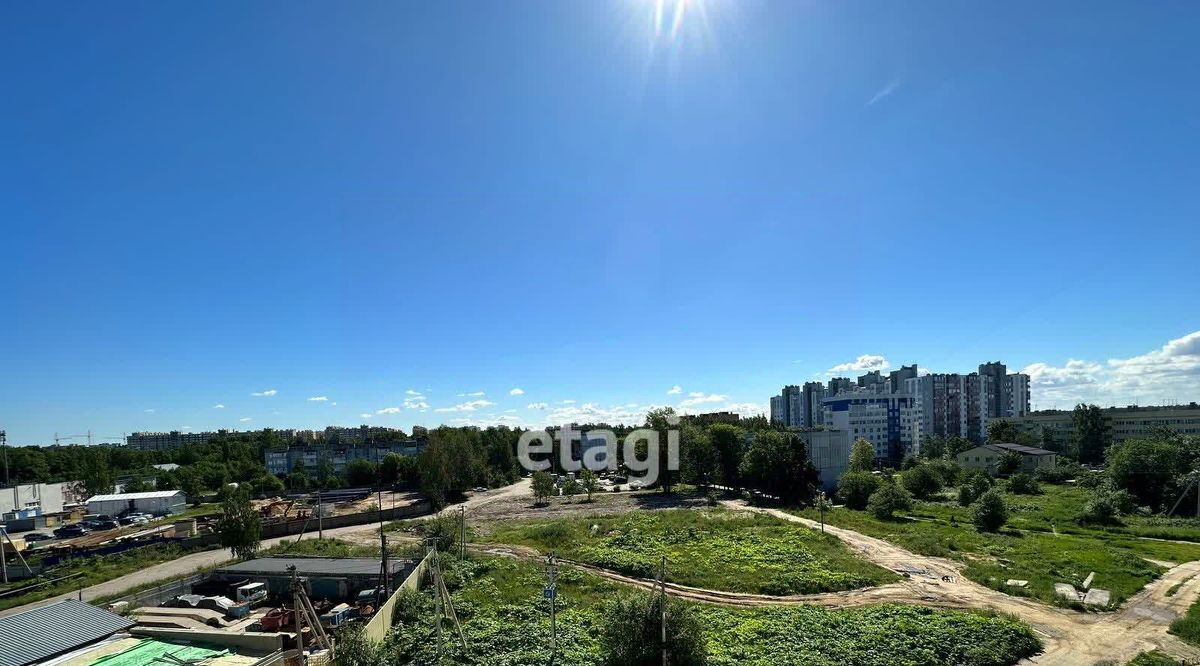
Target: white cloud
(537,405)
(185,427)
(675,390)
(866,362)
(148,411)
(884,91)
(365,415)
(264,394)
(1170,373)
(415,394)
(566,402)
(388,410)
(466,406)
(746,409)
(516,391)
(218,406)
(473,394)
(245,419)
(319,398)
(417,403)
(698,398)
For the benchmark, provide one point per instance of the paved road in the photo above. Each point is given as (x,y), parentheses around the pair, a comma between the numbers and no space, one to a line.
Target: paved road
(210,558)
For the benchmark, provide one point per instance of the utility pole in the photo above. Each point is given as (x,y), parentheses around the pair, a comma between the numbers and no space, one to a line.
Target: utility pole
(3,556)
(551,593)
(4,448)
(821,504)
(320,517)
(462,533)
(663,605)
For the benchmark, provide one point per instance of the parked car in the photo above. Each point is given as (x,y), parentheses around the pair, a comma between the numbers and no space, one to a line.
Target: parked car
(71,531)
(37,536)
(107,524)
(90,523)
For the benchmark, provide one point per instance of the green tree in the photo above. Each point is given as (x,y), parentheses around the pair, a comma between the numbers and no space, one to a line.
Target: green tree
(450,464)
(361,472)
(855,489)
(989,512)
(571,488)
(890,498)
(862,456)
(777,464)
(389,468)
(701,461)
(730,444)
(267,484)
(663,421)
(1150,469)
(591,482)
(921,481)
(1010,462)
(632,632)
(1023,484)
(137,484)
(1090,432)
(543,486)
(96,479)
(973,487)
(239,526)
(191,484)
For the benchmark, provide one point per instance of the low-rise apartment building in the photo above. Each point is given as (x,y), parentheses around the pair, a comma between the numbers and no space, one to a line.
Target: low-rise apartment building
(1133,422)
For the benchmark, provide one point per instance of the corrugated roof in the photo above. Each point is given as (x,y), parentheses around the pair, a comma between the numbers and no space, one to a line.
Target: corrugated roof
(314,566)
(38,634)
(1020,448)
(153,494)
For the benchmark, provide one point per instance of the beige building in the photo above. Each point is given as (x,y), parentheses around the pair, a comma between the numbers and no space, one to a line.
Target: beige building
(987,457)
(1123,423)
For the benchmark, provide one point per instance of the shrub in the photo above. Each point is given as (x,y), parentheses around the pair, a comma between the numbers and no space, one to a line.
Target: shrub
(949,470)
(973,487)
(1056,475)
(889,499)
(921,481)
(855,488)
(989,513)
(1009,462)
(1023,484)
(632,633)
(543,487)
(1105,506)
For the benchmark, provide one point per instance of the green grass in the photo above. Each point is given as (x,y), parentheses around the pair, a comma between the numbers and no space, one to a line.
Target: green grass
(505,620)
(944,529)
(95,570)
(1188,626)
(1155,658)
(710,548)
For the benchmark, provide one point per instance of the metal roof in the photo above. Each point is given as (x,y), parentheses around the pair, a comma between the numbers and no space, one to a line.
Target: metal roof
(1020,448)
(154,494)
(41,633)
(314,566)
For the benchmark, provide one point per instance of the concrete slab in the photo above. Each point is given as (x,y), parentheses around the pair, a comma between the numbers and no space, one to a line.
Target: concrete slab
(1067,591)
(1013,582)
(1097,597)
(1087,582)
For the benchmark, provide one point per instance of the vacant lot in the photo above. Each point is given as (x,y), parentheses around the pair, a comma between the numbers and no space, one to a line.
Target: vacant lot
(710,548)
(1039,544)
(506,621)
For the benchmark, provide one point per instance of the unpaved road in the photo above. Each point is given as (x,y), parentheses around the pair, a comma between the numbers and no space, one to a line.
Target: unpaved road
(210,558)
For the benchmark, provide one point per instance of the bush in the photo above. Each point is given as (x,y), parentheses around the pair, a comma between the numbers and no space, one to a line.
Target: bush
(889,499)
(1023,484)
(1056,475)
(855,489)
(1106,506)
(632,634)
(921,481)
(949,470)
(989,513)
(973,487)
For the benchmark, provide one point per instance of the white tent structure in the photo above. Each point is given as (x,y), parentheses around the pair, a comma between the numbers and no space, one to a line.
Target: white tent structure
(158,503)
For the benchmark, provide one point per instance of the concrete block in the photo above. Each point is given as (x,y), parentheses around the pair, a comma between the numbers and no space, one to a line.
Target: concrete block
(1066,591)
(1013,582)
(1087,582)
(1097,597)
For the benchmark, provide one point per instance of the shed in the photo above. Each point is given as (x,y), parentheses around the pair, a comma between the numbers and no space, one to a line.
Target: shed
(47,631)
(327,577)
(987,457)
(159,503)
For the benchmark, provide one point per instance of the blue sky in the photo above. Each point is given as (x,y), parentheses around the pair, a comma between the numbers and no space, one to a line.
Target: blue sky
(355,201)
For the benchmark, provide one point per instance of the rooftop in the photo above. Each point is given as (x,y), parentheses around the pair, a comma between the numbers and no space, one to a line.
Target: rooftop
(1019,448)
(154,494)
(41,633)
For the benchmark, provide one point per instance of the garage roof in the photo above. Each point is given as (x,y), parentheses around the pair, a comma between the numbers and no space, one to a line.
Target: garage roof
(154,494)
(314,566)
(41,633)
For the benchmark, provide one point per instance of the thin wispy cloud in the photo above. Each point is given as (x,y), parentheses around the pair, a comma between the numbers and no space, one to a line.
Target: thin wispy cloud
(245,419)
(884,92)
(388,410)
(472,394)
(537,405)
(264,394)
(675,390)
(218,406)
(466,406)
(516,391)
(318,398)
(364,415)
(148,411)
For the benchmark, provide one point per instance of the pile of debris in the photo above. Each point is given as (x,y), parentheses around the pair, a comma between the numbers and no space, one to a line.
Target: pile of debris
(1088,596)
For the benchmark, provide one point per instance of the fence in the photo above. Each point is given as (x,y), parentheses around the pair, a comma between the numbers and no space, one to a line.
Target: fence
(156,596)
(379,625)
(309,525)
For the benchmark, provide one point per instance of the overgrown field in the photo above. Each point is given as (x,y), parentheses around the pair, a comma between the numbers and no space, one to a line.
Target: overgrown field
(505,620)
(93,570)
(710,548)
(1188,626)
(1040,544)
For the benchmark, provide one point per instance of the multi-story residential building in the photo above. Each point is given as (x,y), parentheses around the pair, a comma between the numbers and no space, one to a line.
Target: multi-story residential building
(1056,428)
(798,406)
(358,434)
(159,441)
(778,414)
(872,380)
(953,405)
(886,420)
(840,384)
(814,399)
(829,452)
(282,461)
